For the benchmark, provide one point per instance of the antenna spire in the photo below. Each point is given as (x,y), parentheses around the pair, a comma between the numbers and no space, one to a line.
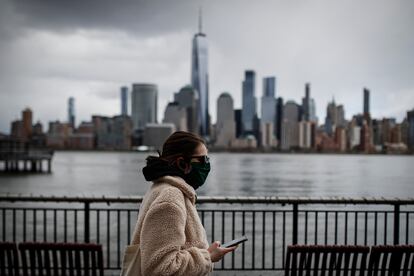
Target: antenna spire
(200,20)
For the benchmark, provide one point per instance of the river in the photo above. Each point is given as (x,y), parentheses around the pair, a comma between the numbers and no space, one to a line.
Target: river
(233,174)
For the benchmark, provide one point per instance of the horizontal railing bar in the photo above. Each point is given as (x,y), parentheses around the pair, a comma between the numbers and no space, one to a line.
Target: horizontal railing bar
(339,211)
(215,199)
(66,209)
(209,210)
(42,209)
(225,269)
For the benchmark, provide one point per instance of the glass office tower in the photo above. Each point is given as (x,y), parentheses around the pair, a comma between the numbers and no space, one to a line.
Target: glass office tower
(144,99)
(71,111)
(199,78)
(248,101)
(124,100)
(269,100)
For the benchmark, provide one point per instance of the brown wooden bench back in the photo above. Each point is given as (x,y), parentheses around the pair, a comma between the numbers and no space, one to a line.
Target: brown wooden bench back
(9,259)
(326,260)
(391,260)
(61,259)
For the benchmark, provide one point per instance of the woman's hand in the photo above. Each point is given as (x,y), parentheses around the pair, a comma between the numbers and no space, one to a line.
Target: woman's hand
(217,252)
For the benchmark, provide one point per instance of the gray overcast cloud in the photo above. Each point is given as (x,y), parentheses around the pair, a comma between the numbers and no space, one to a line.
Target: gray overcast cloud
(50,50)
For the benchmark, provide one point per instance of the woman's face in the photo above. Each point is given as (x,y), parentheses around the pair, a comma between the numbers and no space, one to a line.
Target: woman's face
(199,167)
(201,150)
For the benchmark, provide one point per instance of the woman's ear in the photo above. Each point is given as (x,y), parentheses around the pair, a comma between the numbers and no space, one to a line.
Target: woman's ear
(182,165)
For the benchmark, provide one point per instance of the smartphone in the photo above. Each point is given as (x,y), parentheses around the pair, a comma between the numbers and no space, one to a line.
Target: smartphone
(234,242)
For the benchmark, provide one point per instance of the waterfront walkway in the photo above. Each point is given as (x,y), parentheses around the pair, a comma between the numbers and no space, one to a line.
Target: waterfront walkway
(270,223)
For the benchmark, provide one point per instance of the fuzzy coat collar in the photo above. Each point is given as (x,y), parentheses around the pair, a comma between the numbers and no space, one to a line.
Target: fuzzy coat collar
(179,183)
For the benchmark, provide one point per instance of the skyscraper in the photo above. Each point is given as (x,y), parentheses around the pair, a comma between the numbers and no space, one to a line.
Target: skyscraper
(177,115)
(291,111)
(340,116)
(305,134)
(308,106)
(268,118)
(188,98)
(239,124)
(199,77)
(269,87)
(306,103)
(27,116)
(71,111)
(335,117)
(366,101)
(312,111)
(143,105)
(290,126)
(377,132)
(124,100)
(269,100)
(248,101)
(279,118)
(410,120)
(226,125)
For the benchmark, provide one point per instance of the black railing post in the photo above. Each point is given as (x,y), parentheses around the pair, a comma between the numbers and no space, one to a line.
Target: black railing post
(295,224)
(396,223)
(86,220)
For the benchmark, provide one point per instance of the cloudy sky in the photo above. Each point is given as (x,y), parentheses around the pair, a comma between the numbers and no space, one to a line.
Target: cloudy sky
(51,50)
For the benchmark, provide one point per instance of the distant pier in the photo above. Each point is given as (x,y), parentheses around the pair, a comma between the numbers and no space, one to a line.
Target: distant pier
(18,156)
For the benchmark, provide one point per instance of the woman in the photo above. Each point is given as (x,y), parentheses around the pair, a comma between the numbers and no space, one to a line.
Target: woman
(171,238)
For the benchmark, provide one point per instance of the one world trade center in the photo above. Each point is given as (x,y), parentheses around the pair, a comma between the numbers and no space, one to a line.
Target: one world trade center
(199,78)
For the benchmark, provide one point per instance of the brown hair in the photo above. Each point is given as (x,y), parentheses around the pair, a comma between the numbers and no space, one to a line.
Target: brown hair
(181,143)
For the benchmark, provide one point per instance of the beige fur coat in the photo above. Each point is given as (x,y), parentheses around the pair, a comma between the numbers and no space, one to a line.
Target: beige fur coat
(171,237)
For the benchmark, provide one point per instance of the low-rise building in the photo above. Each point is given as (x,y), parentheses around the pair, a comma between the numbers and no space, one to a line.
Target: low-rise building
(84,137)
(340,139)
(156,134)
(58,135)
(113,132)
(244,143)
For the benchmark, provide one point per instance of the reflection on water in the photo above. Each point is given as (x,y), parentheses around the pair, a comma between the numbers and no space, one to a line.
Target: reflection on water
(116,173)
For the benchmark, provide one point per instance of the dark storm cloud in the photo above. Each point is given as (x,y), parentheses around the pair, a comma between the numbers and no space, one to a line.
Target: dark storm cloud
(136,16)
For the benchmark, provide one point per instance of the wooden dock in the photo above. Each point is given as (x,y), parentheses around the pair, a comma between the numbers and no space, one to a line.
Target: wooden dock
(18,156)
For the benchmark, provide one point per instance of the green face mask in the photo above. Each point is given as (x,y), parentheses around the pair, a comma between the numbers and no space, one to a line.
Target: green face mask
(198,174)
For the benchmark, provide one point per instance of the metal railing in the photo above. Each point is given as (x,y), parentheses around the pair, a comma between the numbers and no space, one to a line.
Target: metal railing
(271,223)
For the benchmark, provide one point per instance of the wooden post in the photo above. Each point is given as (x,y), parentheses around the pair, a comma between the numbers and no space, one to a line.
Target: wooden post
(40,165)
(49,165)
(33,166)
(25,165)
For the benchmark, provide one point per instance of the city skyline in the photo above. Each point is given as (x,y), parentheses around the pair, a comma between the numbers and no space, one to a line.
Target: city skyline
(282,127)
(90,60)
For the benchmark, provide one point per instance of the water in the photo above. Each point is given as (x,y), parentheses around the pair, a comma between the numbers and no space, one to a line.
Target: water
(119,173)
